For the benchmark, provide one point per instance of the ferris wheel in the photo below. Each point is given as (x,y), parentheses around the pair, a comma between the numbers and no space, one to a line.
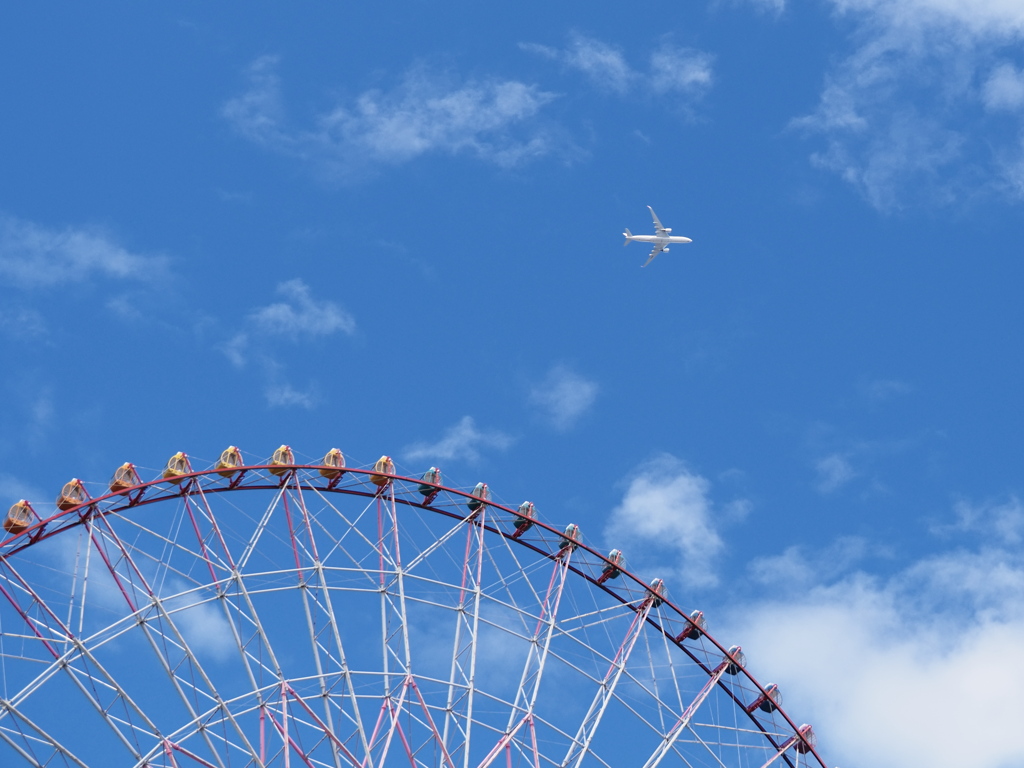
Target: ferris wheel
(284,613)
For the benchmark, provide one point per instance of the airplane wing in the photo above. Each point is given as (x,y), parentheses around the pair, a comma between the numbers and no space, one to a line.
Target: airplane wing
(657,249)
(657,223)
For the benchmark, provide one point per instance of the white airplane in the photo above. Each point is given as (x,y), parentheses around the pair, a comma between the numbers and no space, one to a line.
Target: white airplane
(661,238)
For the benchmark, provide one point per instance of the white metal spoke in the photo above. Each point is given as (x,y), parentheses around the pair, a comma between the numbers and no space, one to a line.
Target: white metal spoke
(588,728)
(684,720)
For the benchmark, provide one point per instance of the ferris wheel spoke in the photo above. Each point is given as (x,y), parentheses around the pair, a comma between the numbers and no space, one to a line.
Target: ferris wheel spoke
(25,744)
(458,707)
(163,634)
(390,713)
(288,741)
(38,616)
(446,758)
(592,721)
(397,661)
(251,647)
(257,534)
(314,590)
(339,746)
(683,723)
(536,658)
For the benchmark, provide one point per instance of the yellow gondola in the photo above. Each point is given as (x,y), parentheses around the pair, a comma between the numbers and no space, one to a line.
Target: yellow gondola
(72,494)
(177,466)
(384,467)
(332,467)
(125,477)
(229,461)
(281,460)
(19,517)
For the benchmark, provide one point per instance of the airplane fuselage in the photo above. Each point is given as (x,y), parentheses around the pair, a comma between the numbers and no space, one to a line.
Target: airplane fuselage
(655,240)
(661,239)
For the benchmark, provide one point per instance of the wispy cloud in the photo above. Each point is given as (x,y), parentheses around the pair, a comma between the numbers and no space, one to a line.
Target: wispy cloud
(464,441)
(428,112)
(796,568)
(1004,89)
(666,523)
(13,489)
(1001,522)
(671,70)
(563,396)
(906,117)
(301,317)
(33,256)
(834,471)
(301,314)
(881,390)
(285,395)
(22,323)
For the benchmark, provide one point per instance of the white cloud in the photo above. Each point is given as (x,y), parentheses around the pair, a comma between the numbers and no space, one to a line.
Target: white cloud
(563,396)
(1000,522)
(834,471)
(775,6)
(680,70)
(1004,89)
(671,69)
(794,568)
(897,657)
(975,17)
(493,120)
(604,64)
(258,113)
(879,390)
(13,489)
(203,624)
(22,324)
(299,317)
(463,441)
(36,257)
(666,523)
(285,395)
(903,115)
(234,349)
(302,315)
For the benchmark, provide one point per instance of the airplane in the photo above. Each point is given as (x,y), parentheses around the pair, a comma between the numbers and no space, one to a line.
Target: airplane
(661,239)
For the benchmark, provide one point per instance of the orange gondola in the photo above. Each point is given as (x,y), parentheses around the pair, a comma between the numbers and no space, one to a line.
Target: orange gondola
(19,517)
(72,494)
(125,477)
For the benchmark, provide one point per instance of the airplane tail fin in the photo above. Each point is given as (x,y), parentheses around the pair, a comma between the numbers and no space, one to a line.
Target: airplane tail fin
(628,235)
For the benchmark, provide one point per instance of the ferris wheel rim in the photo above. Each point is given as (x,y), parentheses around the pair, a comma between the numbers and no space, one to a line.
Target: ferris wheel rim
(188,483)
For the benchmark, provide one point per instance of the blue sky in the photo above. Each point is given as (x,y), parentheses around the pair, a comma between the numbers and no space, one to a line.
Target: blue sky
(397,231)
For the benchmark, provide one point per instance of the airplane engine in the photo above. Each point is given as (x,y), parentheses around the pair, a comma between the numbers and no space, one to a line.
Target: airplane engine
(664,250)
(668,229)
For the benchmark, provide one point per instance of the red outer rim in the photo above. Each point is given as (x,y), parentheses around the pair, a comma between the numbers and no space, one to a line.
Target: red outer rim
(189,483)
